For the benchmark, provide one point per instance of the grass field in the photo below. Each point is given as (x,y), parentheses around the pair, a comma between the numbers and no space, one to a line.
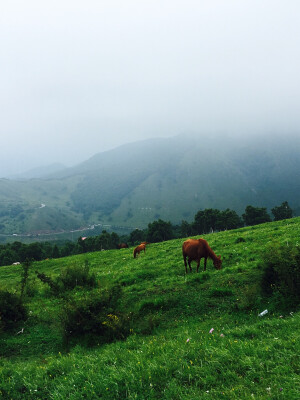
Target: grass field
(194,336)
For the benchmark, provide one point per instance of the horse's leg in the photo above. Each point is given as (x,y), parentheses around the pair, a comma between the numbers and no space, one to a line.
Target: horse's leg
(185,264)
(198,264)
(189,261)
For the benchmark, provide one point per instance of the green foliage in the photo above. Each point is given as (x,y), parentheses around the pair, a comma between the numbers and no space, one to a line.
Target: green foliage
(206,221)
(255,215)
(12,311)
(95,314)
(283,211)
(211,220)
(53,285)
(159,231)
(282,273)
(77,275)
(71,277)
(137,236)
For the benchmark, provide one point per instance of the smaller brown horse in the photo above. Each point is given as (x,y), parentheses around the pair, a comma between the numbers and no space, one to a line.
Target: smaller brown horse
(123,246)
(138,249)
(194,250)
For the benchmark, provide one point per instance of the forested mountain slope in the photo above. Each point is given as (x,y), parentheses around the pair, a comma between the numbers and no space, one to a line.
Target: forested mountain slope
(161,178)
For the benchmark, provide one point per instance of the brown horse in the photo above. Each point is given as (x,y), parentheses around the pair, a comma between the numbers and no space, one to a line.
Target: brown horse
(138,249)
(123,246)
(194,250)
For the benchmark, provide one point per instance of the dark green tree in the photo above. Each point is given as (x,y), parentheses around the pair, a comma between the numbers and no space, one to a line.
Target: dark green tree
(68,249)
(206,221)
(104,241)
(34,251)
(137,236)
(81,244)
(114,238)
(283,211)
(255,215)
(55,251)
(7,257)
(159,231)
(228,219)
(186,229)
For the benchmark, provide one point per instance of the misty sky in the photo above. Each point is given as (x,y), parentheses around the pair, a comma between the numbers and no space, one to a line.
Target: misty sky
(81,77)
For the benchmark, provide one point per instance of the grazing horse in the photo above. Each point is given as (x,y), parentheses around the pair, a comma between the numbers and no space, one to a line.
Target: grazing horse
(138,249)
(194,250)
(123,246)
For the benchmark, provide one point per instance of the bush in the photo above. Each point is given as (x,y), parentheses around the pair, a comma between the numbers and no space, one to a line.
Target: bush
(281,274)
(77,276)
(12,311)
(96,314)
(70,278)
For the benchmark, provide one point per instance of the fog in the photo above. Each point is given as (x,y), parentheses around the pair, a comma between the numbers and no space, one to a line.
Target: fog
(82,77)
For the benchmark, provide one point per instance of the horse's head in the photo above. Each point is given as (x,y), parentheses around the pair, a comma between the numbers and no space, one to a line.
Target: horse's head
(218,262)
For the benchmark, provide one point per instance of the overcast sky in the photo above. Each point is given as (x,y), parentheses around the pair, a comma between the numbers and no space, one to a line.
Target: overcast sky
(81,77)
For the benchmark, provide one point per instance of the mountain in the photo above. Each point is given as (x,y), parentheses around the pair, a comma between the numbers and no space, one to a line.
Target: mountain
(171,179)
(40,172)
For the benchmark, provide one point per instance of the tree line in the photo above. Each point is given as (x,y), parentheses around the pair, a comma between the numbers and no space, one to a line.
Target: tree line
(205,221)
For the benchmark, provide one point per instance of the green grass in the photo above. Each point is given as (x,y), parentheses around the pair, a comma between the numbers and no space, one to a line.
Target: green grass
(170,353)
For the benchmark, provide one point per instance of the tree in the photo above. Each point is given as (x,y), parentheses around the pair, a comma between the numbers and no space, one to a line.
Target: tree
(35,251)
(185,229)
(137,236)
(7,257)
(55,251)
(81,244)
(206,220)
(255,215)
(228,219)
(283,211)
(115,239)
(104,241)
(159,231)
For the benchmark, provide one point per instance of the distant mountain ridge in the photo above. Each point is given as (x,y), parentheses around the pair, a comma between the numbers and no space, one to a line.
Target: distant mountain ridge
(170,179)
(39,172)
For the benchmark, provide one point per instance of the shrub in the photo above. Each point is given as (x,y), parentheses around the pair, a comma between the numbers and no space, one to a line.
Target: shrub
(77,276)
(54,287)
(96,314)
(12,311)
(281,275)
(70,278)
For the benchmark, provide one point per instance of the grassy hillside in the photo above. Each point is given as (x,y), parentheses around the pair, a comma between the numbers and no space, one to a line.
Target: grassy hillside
(191,336)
